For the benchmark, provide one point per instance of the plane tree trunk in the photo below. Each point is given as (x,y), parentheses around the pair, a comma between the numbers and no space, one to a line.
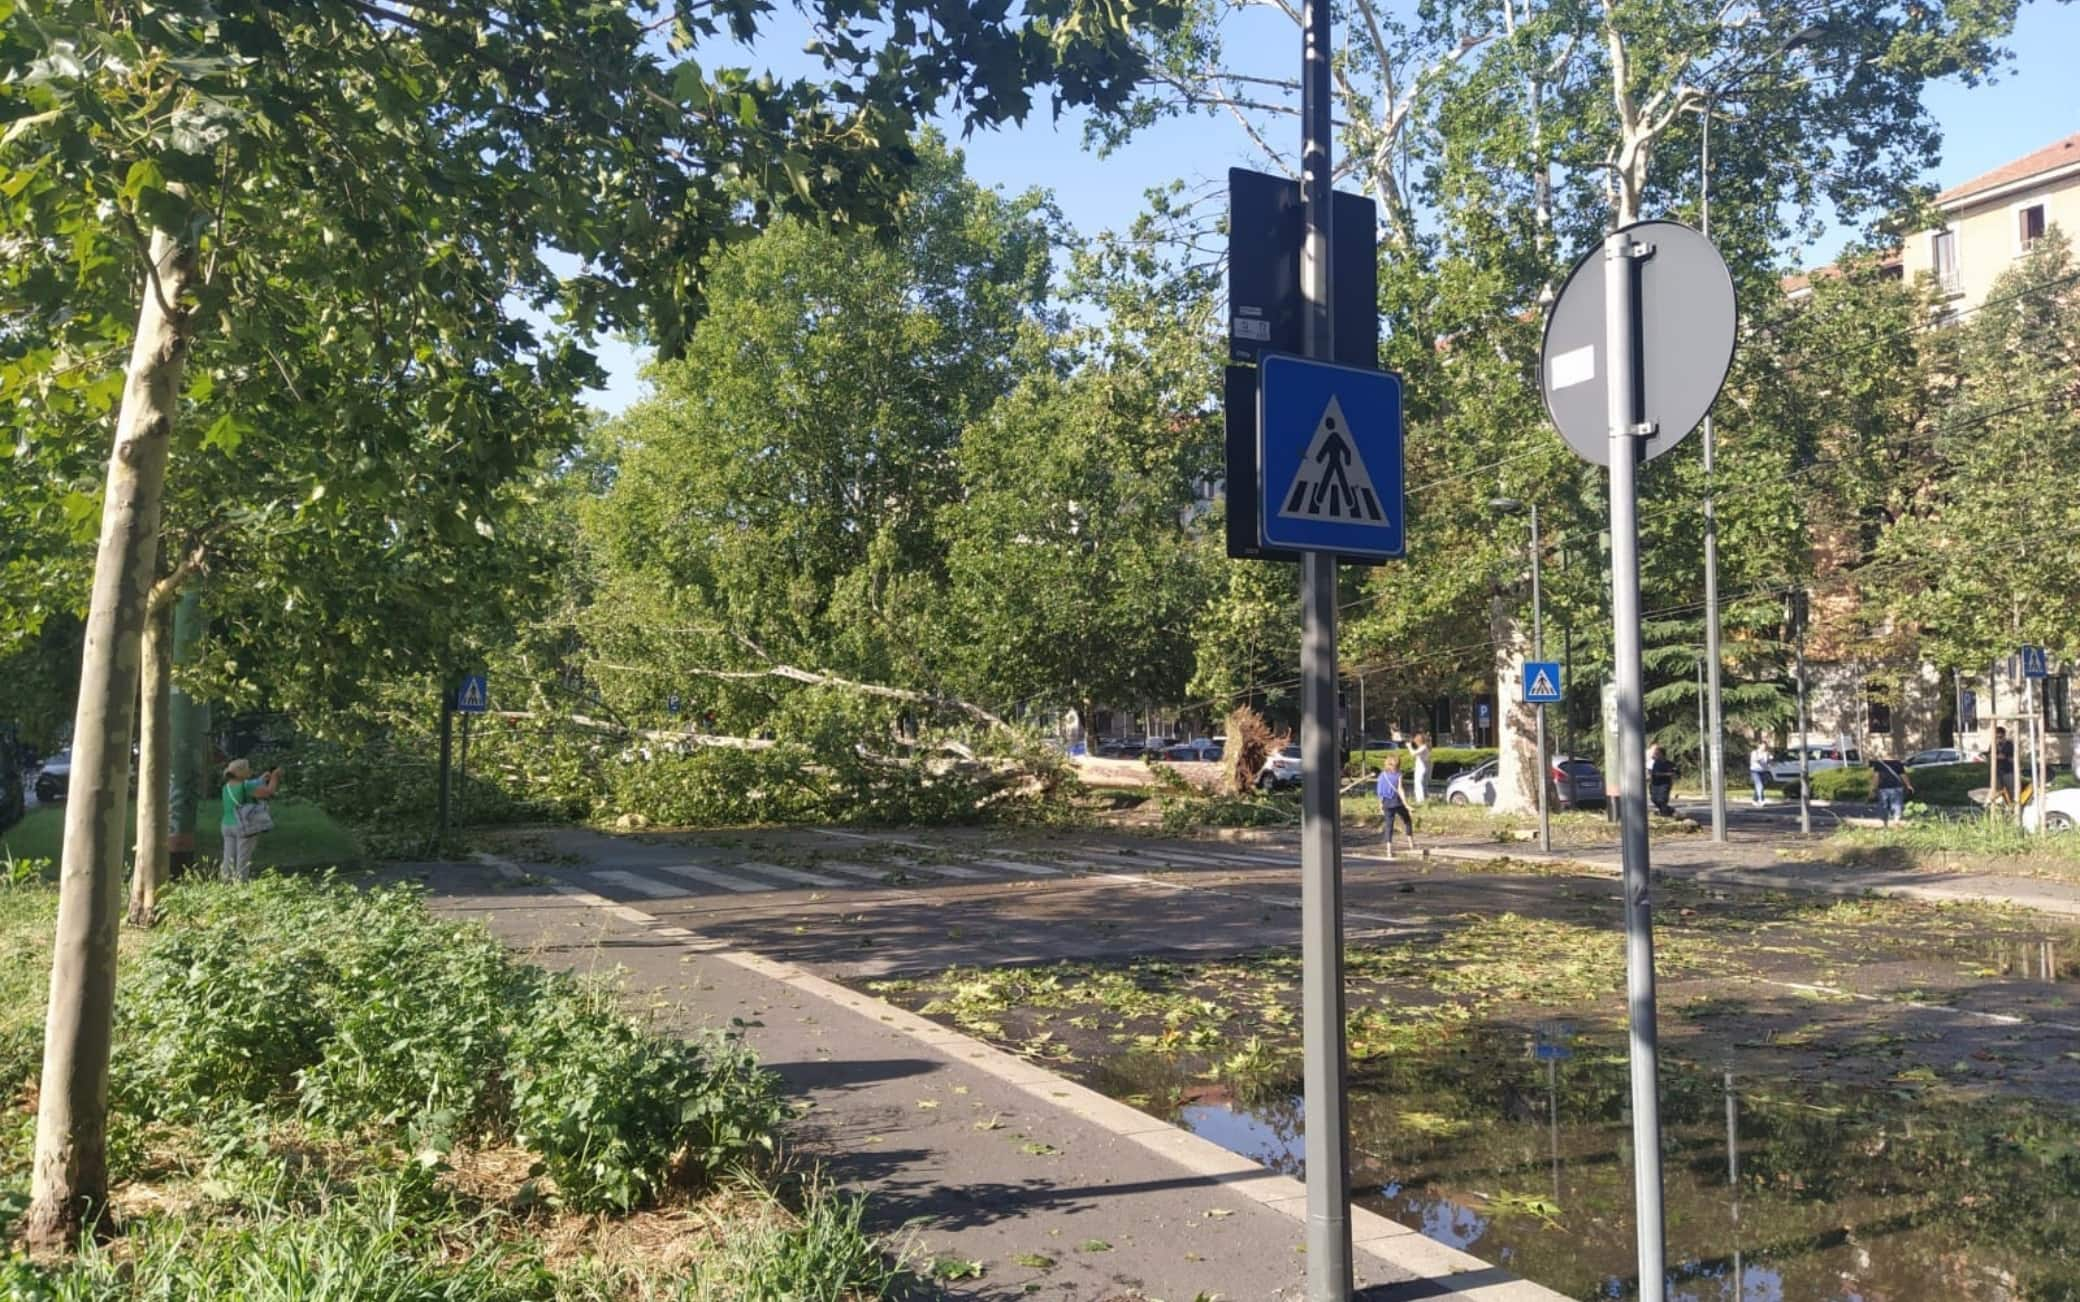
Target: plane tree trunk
(70,1183)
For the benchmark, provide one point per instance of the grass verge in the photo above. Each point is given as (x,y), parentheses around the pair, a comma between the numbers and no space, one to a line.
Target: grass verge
(1971,842)
(326,1093)
(304,836)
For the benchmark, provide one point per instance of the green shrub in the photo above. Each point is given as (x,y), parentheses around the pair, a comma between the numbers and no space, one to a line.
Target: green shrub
(617,1112)
(212,1016)
(1853,784)
(1947,784)
(1447,762)
(422,1033)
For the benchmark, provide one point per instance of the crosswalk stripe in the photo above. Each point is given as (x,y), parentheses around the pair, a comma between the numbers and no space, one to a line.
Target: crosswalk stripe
(947,870)
(794,875)
(645,886)
(1015,866)
(865,872)
(709,877)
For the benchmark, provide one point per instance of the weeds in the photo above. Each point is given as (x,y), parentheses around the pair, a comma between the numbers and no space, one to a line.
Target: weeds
(304,1073)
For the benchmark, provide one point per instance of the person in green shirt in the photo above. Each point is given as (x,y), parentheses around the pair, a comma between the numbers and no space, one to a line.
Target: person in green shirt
(242,788)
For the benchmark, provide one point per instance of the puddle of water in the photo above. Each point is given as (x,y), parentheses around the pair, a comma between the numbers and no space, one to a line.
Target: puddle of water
(1515,1146)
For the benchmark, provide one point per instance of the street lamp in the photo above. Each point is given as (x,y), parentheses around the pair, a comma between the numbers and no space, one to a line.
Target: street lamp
(1715,732)
(1511,506)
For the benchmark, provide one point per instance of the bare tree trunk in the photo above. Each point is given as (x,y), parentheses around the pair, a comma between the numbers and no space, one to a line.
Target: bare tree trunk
(154,759)
(1516,724)
(71,1166)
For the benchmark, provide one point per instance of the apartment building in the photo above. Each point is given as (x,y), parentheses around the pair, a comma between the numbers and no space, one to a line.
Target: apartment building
(1991,220)
(1985,225)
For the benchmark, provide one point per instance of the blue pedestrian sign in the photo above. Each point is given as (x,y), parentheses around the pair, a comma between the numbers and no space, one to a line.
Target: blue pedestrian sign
(1330,451)
(2033,662)
(1541,682)
(474,696)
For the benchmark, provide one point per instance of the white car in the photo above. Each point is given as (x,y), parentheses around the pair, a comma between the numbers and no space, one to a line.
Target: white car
(1819,758)
(2061,811)
(1281,770)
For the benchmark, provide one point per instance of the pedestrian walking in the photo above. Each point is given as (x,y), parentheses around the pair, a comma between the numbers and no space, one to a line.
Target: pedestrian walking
(1661,779)
(1893,786)
(1391,805)
(1420,750)
(246,815)
(2005,772)
(1758,772)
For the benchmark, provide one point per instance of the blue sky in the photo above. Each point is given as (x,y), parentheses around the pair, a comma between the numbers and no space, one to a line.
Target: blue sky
(2032,104)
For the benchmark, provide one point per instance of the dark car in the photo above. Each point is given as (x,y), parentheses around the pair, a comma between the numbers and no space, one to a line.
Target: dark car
(1577,784)
(54,778)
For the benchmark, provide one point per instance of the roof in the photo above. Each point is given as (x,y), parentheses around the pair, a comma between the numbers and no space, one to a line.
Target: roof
(2051,158)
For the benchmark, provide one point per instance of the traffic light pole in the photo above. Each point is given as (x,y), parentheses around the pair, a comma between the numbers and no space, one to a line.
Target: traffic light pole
(1329,1276)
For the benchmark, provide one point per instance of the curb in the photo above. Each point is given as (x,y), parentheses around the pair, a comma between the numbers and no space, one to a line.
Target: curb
(1391,1242)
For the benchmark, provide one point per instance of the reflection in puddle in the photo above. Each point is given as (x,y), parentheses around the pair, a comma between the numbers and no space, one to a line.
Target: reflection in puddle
(1516,1147)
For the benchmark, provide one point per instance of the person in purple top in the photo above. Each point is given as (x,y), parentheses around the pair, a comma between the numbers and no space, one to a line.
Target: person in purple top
(1391,805)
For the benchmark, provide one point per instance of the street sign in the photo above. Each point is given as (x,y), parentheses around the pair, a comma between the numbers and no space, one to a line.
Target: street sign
(2033,662)
(1330,453)
(671,703)
(1245,540)
(474,696)
(1541,682)
(1686,316)
(1264,300)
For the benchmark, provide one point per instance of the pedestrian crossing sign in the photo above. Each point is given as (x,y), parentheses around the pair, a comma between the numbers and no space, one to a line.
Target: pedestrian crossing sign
(474,696)
(1541,682)
(2033,662)
(1330,451)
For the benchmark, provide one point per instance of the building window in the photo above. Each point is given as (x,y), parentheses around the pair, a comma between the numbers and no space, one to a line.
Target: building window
(2058,703)
(1880,709)
(2029,227)
(1943,259)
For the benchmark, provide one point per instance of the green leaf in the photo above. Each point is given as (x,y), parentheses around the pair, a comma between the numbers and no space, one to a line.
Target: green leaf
(144,174)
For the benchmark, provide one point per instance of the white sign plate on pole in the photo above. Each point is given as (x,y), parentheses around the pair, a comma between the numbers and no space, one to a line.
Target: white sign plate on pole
(1685,344)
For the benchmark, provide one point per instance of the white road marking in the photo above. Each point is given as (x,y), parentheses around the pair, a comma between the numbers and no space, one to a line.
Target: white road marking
(709,877)
(795,875)
(645,886)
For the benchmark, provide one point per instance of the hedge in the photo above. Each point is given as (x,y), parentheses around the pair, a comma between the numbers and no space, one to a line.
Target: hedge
(1446,762)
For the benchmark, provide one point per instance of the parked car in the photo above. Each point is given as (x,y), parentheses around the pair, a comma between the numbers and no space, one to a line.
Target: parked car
(2061,811)
(1196,751)
(1281,770)
(1476,786)
(1819,758)
(1119,748)
(1940,755)
(54,777)
(1585,792)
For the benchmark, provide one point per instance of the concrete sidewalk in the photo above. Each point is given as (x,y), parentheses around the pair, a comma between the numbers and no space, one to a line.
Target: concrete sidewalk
(969,1154)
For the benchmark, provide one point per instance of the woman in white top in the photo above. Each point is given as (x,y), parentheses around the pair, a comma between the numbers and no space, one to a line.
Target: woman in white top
(1420,749)
(1758,769)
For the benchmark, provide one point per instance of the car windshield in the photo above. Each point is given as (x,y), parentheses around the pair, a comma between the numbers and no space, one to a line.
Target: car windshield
(1290,752)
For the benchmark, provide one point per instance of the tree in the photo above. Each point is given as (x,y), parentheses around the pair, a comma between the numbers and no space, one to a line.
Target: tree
(1976,548)
(1501,139)
(205,165)
(779,500)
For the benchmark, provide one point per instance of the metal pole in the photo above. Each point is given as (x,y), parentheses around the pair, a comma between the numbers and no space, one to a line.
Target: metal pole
(1329,1277)
(1621,337)
(447,756)
(1733,1182)
(1704,743)
(2036,749)
(1538,652)
(1805,752)
(1715,751)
